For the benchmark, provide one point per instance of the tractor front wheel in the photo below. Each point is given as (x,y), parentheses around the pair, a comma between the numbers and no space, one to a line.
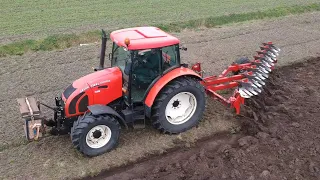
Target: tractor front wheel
(179,106)
(95,135)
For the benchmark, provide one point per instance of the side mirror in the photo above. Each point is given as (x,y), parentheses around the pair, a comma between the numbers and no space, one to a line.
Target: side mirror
(183,48)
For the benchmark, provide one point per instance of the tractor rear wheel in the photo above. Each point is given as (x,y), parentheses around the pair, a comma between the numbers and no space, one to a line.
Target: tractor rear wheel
(179,106)
(95,135)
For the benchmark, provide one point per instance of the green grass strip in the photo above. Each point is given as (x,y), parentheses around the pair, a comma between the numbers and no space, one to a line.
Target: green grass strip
(62,41)
(235,18)
(58,41)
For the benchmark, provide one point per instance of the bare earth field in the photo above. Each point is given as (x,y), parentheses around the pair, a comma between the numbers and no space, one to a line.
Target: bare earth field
(282,141)
(45,74)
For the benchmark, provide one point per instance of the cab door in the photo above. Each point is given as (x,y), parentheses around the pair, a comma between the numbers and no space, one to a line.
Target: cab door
(146,67)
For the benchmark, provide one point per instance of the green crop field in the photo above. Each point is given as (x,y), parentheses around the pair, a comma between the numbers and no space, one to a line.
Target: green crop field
(48,16)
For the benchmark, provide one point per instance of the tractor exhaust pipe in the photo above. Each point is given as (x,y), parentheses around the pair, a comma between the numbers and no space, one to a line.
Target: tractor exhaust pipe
(103,50)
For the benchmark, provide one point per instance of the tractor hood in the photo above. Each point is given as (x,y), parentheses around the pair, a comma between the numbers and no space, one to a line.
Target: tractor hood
(100,87)
(95,78)
(92,80)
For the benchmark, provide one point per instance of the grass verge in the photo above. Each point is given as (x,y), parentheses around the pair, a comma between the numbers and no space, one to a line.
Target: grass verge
(58,41)
(61,41)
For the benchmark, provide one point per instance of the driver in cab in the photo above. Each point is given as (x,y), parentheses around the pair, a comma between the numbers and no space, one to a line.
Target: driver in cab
(148,67)
(151,59)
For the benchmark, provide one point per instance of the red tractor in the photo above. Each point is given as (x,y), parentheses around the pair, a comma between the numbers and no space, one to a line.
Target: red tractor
(146,82)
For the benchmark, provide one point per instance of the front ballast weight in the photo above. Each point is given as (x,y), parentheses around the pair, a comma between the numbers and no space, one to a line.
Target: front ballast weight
(33,122)
(249,82)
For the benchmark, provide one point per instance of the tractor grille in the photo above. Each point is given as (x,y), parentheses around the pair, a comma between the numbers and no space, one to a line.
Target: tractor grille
(73,103)
(83,104)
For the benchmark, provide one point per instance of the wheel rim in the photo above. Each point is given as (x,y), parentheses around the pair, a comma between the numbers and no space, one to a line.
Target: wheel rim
(181,108)
(98,136)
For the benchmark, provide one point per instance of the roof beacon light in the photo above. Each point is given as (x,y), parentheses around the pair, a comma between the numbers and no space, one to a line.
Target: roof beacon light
(127,41)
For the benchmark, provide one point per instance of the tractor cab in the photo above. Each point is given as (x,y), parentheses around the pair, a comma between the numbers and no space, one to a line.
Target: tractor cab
(143,54)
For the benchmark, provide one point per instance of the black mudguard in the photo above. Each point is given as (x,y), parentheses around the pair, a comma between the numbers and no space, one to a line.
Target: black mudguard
(102,109)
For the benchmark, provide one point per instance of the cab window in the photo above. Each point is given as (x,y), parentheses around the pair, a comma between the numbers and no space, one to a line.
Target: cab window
(169,57)
(120,57)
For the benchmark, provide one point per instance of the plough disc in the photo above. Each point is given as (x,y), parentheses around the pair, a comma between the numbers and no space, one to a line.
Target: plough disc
(256,76)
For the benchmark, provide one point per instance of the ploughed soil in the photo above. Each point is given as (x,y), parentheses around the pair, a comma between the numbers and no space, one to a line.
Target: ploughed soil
(279,138)
(46,74)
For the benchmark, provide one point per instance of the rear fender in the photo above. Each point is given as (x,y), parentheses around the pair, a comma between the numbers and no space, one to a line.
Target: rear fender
(165,79)
(99,109)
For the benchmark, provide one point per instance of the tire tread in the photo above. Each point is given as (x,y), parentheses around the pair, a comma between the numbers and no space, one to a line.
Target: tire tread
(82,123)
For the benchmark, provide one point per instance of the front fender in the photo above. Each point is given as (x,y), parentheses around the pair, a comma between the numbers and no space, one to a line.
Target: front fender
(99,109)
(165,79)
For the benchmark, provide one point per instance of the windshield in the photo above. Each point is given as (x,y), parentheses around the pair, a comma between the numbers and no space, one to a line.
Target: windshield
(120,57)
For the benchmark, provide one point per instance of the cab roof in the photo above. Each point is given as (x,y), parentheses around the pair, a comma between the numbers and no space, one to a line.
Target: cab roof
(143,38)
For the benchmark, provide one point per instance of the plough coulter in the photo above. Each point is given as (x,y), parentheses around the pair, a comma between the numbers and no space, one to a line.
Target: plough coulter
(146,82)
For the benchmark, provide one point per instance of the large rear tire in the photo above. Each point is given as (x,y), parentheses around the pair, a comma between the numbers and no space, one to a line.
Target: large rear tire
(179,106)
(95,135)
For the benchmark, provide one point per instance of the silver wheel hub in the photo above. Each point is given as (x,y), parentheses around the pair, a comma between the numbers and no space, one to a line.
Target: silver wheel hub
(98,136)
(181,108)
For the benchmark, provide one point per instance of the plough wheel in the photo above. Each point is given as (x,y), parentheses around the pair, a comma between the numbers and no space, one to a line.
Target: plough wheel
(179,106)
(242,60)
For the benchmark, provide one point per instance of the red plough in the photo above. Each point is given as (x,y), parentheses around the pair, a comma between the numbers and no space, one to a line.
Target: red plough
(247,77)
